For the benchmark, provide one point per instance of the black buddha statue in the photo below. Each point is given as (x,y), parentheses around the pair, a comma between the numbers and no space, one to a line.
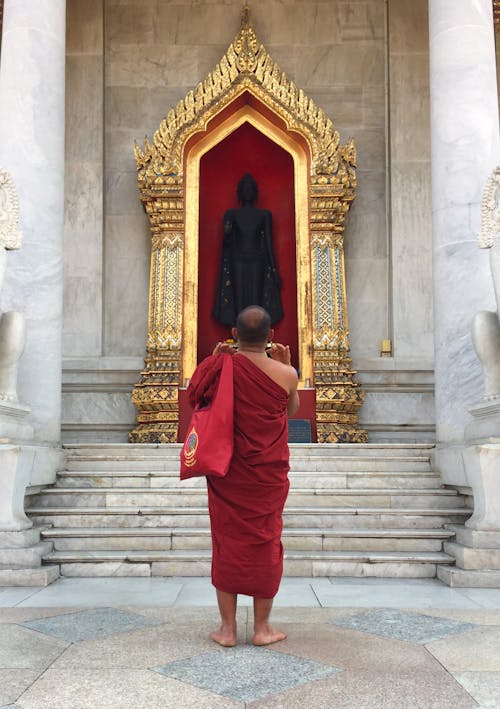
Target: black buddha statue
(248,274)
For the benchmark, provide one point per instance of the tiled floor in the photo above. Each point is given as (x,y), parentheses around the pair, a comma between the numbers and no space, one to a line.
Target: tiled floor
(126,643)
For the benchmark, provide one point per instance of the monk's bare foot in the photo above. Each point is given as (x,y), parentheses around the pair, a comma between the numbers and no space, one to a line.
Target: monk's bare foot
(225,637)
(267,636)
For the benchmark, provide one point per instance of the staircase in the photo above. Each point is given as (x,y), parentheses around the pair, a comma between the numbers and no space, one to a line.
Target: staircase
(353,510)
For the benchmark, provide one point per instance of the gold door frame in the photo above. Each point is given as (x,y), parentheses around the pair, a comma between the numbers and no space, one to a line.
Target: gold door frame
(325,184)
(247,114)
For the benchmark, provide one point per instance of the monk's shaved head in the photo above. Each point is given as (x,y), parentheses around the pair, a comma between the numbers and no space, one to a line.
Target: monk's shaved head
(253,325)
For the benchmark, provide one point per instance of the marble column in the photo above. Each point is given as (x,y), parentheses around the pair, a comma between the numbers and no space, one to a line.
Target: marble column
(465,147)
(32,90)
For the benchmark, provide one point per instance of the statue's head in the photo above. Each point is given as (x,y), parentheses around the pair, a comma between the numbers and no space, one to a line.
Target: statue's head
(247,190)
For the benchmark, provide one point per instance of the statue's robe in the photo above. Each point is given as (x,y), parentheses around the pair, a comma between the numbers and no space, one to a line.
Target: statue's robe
(246,506)
(247,276)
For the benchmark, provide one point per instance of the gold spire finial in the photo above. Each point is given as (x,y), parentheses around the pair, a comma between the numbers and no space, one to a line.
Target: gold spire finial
(246,20)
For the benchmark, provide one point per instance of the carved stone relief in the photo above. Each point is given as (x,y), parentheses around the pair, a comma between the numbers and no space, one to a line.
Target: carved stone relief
(12,328)
(486,324)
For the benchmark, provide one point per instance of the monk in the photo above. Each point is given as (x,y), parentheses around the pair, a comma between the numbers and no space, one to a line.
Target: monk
(246,506)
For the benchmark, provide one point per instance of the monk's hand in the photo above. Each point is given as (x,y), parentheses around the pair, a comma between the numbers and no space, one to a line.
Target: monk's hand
(223,348)
(280,353)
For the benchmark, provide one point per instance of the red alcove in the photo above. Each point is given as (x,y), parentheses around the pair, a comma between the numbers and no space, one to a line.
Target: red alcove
(246,150)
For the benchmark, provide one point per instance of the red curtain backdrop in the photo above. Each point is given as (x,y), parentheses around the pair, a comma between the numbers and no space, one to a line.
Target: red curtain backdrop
(246,150)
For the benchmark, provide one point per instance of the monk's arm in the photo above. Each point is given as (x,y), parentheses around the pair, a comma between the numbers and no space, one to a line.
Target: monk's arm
(293,397)
(223,348)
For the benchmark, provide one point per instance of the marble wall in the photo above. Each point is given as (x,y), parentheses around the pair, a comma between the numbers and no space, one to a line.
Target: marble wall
(410,180)
(364,62)
(84,180)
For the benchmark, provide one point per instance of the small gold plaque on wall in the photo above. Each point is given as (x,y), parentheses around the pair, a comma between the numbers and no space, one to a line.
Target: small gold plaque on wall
(386,348)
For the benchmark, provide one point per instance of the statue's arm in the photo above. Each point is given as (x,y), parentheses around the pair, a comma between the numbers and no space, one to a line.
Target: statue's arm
(268,240)
(228,228)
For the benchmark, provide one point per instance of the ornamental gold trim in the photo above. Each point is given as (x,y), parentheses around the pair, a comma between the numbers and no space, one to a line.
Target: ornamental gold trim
(325,186)
(247,115)
(496,13)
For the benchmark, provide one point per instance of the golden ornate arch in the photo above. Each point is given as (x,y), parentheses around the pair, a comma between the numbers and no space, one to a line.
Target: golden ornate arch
(325,183)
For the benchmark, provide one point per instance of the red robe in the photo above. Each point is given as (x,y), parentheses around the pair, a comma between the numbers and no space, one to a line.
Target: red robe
(246,506)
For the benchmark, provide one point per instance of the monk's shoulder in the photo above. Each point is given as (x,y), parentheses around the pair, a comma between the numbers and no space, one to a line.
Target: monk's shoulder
(285,374)
(284,367)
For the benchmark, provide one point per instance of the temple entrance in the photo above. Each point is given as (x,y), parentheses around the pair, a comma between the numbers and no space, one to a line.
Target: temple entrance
(246,150)
(247,116)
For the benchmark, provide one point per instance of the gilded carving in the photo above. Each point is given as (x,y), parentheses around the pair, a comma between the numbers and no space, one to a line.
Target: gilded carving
(247,68)
(496,12)
(247,65)
(155,398)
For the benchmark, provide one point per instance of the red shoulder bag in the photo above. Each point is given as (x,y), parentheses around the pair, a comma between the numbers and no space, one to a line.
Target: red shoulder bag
(208,447)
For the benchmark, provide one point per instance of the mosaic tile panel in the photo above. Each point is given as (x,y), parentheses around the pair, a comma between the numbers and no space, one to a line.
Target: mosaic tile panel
(401,625)
(246,673)
(90,624)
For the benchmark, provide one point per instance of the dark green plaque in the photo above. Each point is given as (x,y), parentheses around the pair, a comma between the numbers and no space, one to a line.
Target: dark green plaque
(299,431)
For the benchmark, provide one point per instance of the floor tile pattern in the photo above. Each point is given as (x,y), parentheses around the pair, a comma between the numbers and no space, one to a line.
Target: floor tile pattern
(90,624)
(483,686)
(114,641)
(246,673)
(401,625)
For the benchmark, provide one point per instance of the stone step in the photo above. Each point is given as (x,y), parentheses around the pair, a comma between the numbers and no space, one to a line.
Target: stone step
(197,563)
(360,463)
(310,463)
(357,480)
(165,457)
(42,576)
(473,558)
(19,539)
(85,450)
(119,539)
(475,538)
(335,480)
(353,510)
(468,578)
(294,517)
(24,558)
(194,497)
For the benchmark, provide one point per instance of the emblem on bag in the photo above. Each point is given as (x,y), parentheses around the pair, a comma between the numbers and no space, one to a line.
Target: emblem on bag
(190,447)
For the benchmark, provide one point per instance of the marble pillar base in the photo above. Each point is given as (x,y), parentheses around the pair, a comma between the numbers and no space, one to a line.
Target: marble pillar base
(476,548)
(448,460)
(486,421)
(12,421)
(482,465)
(463,578)
(21,550)
(23,466)
(43,576)
(12,489)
